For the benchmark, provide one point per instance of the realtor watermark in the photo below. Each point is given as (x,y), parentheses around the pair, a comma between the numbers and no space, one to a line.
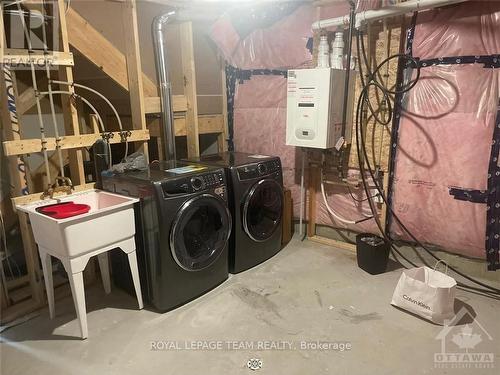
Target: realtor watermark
(258,345)
(466,346)
(31,36)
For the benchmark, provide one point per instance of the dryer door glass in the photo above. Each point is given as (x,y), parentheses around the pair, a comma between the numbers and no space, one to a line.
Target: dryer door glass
(263,209)
(200,232)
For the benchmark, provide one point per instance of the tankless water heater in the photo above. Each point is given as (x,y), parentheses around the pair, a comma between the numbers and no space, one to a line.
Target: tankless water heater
(315,99)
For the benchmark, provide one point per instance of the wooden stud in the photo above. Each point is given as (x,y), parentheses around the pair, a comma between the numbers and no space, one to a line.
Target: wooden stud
(25,101)
(152,104)
(94,124)
(38,176)
(335,243)
(3,44)
(15,311)
(134,70)
(11,124)
(71,123)
(31,256)
(101,52)
(18,282)
(208,124)
(4,300)
(19,179)
(188,70)
(314,180)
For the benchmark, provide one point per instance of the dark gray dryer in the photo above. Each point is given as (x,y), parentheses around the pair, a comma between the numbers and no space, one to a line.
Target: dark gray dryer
(183,226)
(255,187)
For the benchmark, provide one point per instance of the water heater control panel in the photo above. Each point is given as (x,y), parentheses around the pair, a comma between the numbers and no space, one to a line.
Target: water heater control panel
(315,100)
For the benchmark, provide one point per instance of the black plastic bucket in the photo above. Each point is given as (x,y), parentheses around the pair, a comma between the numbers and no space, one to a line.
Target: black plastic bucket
(372,253)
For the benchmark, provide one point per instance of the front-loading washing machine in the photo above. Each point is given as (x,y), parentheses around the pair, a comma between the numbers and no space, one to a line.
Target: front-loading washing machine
(255,197)
(183,227)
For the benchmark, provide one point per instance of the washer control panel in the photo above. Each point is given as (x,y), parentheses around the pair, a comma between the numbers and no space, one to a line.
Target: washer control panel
(193,184)
(256,170)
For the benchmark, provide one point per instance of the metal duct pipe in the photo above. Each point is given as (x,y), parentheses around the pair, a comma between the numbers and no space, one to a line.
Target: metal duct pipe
(167,115)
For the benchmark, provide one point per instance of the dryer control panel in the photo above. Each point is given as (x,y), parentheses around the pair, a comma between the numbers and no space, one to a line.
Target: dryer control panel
(261,169)
(193,184)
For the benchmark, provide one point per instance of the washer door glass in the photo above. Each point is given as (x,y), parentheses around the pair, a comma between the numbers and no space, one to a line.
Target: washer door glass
(200,232)
(263,209)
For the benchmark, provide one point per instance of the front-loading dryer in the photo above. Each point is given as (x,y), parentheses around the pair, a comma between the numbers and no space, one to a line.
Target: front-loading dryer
(255,197)
(183,227)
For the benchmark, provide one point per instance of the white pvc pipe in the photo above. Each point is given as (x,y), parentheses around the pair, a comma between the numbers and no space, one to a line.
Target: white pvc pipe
(389,11)
(336,216)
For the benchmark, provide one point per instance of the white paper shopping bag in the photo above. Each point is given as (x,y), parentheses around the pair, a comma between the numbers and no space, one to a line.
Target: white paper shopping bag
(427,293)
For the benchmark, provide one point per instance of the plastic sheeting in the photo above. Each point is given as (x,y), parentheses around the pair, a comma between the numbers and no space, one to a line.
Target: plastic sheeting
(471,28)
(260,103)
(445,134)
(282,45)
(259,126)
(342,203)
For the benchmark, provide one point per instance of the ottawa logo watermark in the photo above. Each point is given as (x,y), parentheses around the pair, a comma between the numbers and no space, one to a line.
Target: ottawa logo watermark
(32,33)
(465,344)
(254,364)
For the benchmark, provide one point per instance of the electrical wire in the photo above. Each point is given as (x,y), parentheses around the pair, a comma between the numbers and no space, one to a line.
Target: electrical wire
(363,102)
(395,250)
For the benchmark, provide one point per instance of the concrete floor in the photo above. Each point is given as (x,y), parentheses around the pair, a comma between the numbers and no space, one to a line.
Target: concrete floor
(308,292)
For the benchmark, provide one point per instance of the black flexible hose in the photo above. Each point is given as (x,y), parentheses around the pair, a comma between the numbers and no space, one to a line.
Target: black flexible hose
(362,100)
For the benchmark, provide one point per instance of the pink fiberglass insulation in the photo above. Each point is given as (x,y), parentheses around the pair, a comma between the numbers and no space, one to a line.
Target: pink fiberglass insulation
(260,103)
(471,28)
(259,127)
(445,134)
(282,45)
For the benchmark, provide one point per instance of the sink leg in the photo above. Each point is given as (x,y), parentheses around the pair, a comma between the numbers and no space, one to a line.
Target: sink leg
(104,267)
(49,285)
(78,291)
(132,260)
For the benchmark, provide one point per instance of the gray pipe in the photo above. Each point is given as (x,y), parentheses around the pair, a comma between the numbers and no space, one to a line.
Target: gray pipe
(167,115)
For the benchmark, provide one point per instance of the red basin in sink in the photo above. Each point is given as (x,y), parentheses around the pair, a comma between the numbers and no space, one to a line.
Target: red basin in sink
(64,210)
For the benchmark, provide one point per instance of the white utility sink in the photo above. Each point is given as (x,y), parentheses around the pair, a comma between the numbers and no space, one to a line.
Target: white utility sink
(110,220)
(109,224)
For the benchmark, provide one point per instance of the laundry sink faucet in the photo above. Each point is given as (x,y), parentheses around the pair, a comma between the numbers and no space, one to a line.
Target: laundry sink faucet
(62,184)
